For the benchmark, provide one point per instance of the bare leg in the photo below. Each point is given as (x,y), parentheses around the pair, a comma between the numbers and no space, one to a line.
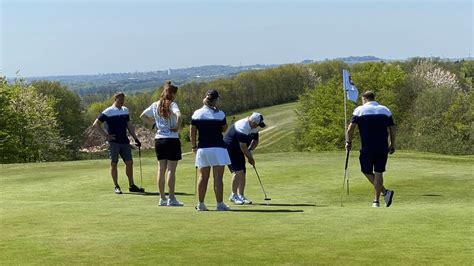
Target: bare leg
(129,172)
(161,178)
(202,182)
(378,185)
(371,178)
(242,184)
(113,173)
(218,173)
(377,181)
(237,181)
(172,178)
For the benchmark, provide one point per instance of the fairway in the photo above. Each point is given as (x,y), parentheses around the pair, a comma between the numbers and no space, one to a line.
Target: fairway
(53,213)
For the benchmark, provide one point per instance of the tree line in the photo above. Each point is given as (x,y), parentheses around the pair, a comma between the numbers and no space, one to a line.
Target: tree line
(431,100)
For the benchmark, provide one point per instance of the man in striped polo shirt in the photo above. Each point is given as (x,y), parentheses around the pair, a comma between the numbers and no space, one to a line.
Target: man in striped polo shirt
(117,122)
(375,123)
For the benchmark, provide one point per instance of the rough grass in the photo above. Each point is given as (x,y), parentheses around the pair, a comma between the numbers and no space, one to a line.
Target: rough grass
(67,213)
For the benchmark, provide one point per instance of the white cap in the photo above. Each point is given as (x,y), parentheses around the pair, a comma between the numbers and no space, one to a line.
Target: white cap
(257,118)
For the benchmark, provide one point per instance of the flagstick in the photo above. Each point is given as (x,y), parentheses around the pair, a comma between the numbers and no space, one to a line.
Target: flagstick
(347,152)
(347,139)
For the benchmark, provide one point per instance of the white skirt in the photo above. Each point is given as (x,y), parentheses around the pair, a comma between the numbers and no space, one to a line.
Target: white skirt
(206,157)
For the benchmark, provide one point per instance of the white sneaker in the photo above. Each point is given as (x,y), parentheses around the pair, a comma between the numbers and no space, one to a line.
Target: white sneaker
(222,207)
(236,199)
(163,202)
(201,207)
(174,202)
(375,204)
(245,200)
(388,197)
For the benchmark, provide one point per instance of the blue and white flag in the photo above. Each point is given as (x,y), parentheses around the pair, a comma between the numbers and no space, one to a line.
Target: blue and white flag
(352,92)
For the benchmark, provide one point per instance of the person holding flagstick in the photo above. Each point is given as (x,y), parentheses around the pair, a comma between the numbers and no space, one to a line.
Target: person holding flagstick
(375,125)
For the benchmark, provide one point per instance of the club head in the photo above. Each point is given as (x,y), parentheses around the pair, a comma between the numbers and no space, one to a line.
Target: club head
(267,199)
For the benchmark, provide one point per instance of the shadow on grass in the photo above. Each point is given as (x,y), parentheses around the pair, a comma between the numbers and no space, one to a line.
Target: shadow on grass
(233,210)
(289,205)
(157,193)
(432,195)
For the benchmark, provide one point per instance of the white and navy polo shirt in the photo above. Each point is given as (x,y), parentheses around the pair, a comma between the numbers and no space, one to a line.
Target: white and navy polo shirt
(240,131)
(373,120)
(116,123)
(209,123)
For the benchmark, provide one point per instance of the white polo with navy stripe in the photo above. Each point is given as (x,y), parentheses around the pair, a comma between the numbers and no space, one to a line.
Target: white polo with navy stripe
(116,120)
(209,123)
(373,120)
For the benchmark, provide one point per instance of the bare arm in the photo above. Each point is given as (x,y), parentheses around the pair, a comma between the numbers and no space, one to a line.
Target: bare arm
(393,132)
(98,126)
(148,120)
(253,144)
(192,136)
(349,135)
(131,129)
(179,119)
(246,152)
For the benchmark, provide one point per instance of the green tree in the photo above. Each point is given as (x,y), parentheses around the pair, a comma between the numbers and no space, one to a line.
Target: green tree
(69,115)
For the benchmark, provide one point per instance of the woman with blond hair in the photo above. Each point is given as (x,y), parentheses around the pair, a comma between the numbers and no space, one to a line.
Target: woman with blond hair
(167,118)
(207,125)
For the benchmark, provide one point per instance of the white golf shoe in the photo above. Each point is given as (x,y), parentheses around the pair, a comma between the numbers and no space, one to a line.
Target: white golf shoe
(375,204)
(163,202)
(236,199)
(245,200)
(175,203)
(201,207)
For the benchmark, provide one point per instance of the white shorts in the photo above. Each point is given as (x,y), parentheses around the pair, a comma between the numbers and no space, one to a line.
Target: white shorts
(206,157)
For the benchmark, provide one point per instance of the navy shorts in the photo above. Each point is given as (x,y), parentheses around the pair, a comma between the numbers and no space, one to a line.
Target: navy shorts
(168,149)
(373,162)
(237,161)
(116,149)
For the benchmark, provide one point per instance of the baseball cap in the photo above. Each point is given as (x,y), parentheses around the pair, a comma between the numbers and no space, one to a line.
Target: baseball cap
(212,94)
(257,118)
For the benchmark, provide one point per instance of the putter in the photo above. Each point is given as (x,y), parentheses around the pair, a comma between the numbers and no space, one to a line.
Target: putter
(195,187)
(345,178)
(140,160)
(266,198)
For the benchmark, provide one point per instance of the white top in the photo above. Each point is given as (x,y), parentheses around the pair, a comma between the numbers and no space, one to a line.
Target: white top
(164,124)
(243,126)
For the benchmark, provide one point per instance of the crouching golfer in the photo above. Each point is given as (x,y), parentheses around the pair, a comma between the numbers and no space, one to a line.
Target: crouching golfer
(117,122)
(208,123)
(374,121)
(241,140)
(167,118)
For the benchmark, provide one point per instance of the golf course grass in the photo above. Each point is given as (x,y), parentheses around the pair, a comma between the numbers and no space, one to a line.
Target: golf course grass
(67,213)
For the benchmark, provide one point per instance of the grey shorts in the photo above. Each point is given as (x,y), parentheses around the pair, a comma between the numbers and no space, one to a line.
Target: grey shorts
(124,150)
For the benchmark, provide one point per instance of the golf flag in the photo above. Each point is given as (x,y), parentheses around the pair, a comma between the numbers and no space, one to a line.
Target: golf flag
(352,92)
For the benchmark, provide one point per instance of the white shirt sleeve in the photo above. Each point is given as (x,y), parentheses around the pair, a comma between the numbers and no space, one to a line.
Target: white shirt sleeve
(174,108)
(149,111)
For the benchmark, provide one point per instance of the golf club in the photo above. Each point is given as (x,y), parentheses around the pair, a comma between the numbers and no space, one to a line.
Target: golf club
(195,188)
(266,198)
(140,161)
(345,177)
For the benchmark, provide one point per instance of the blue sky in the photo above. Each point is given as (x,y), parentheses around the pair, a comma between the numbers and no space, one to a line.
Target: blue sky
(51,37)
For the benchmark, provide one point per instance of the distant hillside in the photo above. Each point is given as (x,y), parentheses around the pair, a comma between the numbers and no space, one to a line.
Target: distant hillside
(137,81)
(131,82)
